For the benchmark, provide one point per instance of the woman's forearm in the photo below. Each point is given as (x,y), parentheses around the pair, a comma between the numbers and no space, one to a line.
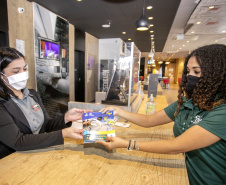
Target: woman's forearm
(158,118)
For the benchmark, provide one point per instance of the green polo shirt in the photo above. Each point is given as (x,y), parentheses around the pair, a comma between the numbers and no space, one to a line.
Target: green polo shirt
(206,166)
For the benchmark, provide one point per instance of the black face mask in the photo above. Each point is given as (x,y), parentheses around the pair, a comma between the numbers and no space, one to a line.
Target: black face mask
(191,83)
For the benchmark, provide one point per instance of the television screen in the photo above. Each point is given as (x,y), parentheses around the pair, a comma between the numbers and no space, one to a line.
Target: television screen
(49,50)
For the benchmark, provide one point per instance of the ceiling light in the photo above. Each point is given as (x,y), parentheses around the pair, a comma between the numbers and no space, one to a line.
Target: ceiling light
(107,25)
(198,23)
(151,31)
(129,38)
(151,25)
(211,7)
(79,0)
(167,62)
(152,38)
(160,62)
(187,40)
(223,31)
(183,45)
(142,24)
(192,32)
(150,18)
(124,32)
(149,7)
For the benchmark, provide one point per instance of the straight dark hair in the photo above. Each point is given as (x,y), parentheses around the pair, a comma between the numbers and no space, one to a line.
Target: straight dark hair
(7,55)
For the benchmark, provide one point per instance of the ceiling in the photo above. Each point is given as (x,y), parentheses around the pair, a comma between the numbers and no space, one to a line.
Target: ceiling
(90,15)
(170,18)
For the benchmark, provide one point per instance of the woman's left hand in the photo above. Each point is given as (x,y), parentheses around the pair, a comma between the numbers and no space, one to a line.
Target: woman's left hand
(74,114)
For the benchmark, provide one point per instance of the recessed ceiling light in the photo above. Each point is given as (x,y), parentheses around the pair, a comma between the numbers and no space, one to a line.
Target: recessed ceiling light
(198,23)
(149,7)
(124,32)
(105,25)
(152,35)
(79,0)
(151,25)
(151,31)
(129,38)
(152,38)
(150,18)
(183,45)
(223,31)
(211,7)
(192,32)
(188,41)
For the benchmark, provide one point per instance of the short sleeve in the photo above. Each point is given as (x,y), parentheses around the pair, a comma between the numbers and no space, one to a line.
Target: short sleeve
(170,110)
(215,121)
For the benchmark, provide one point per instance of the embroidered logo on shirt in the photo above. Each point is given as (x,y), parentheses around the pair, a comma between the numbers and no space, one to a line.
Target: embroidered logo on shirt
(197,119)
(35,107)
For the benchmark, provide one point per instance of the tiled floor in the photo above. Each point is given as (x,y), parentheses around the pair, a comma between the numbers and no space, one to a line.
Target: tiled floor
(171,93)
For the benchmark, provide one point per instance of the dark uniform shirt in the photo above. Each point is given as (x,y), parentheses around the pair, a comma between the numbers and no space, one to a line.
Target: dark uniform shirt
(206,166)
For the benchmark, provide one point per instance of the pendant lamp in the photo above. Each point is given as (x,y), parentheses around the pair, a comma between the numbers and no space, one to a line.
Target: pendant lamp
(142,24)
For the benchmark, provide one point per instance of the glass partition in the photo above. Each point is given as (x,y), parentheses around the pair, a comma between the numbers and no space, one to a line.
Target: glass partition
(118,71)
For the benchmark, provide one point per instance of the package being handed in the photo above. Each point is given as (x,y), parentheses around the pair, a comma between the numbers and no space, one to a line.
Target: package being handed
(97,126)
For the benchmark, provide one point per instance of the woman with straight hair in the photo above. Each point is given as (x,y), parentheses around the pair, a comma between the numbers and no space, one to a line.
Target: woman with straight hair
(24,122)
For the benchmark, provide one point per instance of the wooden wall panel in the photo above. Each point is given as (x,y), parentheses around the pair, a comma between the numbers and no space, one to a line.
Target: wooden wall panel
(21,27)
(91,75)
(71,62)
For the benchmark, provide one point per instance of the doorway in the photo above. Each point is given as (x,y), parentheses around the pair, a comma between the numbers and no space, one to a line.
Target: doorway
(79,76)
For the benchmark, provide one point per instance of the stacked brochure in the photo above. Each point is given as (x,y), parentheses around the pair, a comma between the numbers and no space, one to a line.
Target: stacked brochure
(97,126)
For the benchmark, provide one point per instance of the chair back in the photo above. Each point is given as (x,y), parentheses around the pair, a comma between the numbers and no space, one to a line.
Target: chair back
(166,81)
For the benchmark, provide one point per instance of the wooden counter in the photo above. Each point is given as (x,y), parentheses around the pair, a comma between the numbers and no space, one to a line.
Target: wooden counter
(75,163)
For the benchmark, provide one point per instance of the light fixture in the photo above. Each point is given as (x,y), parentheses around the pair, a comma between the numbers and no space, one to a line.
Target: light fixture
(142,24)
(149,7)
(129,38)
(124,32)
(198,23)
(211,7)
(107,25)
(150,18)
(151,54)
(151,31)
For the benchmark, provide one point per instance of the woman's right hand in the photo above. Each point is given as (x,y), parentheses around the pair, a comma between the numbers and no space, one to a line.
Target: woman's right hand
(115,110)
(72,133)
(114,142)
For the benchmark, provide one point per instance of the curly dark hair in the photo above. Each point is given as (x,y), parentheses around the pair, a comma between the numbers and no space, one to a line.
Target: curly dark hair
(210,91)
(7,55)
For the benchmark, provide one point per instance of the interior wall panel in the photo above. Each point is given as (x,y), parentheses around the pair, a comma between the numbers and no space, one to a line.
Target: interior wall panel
(21,27)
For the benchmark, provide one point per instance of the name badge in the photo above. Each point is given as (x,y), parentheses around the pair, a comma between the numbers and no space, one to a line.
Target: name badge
(35,107)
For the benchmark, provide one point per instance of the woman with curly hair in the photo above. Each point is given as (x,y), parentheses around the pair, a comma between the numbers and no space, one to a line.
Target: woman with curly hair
(199,117)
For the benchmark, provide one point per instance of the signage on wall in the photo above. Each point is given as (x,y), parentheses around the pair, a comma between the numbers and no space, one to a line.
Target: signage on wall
(20,46)
(105,80)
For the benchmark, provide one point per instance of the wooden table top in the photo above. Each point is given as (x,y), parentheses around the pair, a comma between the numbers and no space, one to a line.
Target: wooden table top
(75,163)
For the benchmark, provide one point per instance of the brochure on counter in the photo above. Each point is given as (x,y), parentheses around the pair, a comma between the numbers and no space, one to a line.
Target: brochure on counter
(97,126)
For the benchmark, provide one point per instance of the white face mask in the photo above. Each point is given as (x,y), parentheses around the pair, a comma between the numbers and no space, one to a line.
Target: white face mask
(18,81)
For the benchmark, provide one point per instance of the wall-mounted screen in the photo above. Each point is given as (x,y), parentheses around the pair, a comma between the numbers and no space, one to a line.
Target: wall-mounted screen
(49,49)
